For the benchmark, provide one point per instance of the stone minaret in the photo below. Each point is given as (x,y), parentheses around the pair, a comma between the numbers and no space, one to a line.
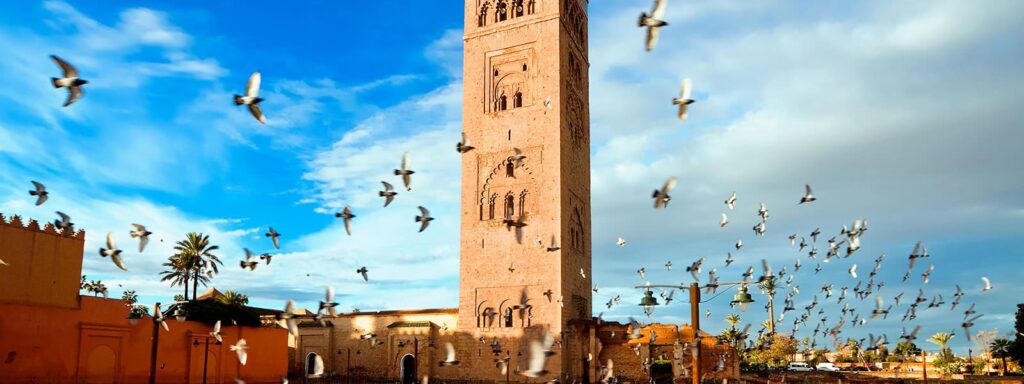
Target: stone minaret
(526,89)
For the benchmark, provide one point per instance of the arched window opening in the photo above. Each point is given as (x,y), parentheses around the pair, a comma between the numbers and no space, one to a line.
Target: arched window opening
(502,102)
(495,73)
(501,10)
(531,6)
(510,169)
(524,67)
(490,208)
(481,19)
(518,8)
(489,314)
(508,317)
(517,100)
(522,202)
(510,207)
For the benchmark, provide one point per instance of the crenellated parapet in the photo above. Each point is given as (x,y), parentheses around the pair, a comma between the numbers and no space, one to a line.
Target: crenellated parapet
(32,225)
(44,264)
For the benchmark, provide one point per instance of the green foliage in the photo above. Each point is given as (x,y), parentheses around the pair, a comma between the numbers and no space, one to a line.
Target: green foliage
(949,364)
(1002,349)
(94,287)
(194,261)
(130,298)
(137,311)
(233,298)
(906,349)
(942,339)
(180,297)
(774,351)
(1017,348)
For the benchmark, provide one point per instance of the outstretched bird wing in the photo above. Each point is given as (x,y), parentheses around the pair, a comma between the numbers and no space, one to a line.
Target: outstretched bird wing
(252,89)
(68,69)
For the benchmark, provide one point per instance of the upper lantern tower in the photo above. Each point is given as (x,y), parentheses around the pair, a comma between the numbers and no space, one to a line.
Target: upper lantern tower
(526,185)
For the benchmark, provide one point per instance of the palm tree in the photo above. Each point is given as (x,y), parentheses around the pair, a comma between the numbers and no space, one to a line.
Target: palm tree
(768,287)
(177,271)
(732,319)
(197,245)
(1001,347)
(233,298)
(941,339)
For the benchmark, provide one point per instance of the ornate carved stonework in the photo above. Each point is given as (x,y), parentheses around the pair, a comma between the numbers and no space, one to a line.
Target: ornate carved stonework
(574,19)
(509,76)
(506,187)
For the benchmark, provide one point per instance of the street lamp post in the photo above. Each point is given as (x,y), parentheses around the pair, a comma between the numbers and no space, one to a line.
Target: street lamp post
(648,302)
(206,353)
(179,315)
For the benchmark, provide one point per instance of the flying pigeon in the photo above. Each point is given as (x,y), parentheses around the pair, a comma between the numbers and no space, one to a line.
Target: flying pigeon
(654,22)
(241,349)
(464,146)
(808,196)
(252,99)
(249,262)
(424,218)
(64,223)
(554,245)
(274,236)
(539,352)
(388,193)
(449,358)
(723,221)
(347,215)
(661,197)
(362,271)
(327,304)
(405,172)
(684,99)
(216,331)
(39,192)
(731,201)
(620,242)
(763,212)
(112,251)
(71,81)
(142,234)
(288,315)
(988,284)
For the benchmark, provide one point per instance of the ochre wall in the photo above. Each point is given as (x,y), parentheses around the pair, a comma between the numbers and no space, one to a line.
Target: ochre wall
(55,345)
(44,267)
(50,334)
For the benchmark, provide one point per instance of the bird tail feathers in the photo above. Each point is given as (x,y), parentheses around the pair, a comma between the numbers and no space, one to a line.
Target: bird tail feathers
(238,100)
(56,82)
(643,19)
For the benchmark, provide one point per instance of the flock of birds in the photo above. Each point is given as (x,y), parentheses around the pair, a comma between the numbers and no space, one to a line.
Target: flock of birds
(542,347)
(842,246)
(74,85)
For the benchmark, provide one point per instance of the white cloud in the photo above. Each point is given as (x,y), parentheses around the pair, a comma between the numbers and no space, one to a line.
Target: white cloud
(841,101)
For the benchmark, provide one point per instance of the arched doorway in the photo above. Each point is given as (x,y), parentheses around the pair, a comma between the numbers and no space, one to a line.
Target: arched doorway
(314,365)
(408,369)
(100,366)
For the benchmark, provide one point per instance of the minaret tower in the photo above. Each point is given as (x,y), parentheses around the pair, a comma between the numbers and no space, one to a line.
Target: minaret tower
(527,182)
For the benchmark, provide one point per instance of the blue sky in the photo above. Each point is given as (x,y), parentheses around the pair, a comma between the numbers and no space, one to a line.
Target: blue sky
(904,114)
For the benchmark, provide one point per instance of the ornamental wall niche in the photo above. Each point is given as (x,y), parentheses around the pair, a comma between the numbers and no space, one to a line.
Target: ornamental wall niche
(505,187)
(509,78)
